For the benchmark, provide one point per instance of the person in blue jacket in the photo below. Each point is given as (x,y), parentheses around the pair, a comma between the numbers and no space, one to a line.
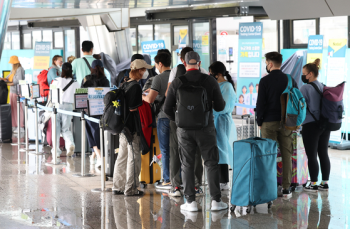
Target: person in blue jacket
(225,127)
(55,69)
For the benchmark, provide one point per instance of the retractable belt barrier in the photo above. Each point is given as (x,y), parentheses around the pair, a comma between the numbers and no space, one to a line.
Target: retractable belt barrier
(83,118)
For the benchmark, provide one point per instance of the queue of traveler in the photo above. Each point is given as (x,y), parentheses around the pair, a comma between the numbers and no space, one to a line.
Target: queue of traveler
(183,145)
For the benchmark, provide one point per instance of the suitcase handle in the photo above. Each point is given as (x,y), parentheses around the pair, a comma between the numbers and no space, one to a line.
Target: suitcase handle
(257,138)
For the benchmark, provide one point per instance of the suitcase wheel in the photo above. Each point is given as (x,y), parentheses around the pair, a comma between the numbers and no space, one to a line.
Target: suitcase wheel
(233,207)
(269,204)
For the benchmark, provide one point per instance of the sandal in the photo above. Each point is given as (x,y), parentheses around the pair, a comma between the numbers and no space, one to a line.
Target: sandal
(117,192)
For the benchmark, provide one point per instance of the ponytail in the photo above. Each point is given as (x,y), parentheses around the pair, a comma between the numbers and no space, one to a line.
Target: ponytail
(229,79)
(313,67)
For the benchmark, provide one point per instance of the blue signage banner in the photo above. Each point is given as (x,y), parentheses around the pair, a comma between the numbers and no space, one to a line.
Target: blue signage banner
(152,47)
(249,66)
(315,44)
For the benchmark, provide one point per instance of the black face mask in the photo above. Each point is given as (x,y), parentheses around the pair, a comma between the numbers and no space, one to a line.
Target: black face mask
(267,70)
(303,78)
(214,76)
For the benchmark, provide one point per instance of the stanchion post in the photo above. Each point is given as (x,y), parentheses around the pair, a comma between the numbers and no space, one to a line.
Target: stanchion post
(18,124)
(83,149)
(103,171)
(26,127)
(36,129)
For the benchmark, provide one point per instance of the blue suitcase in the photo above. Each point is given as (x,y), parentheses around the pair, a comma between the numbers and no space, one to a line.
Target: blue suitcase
(254,172)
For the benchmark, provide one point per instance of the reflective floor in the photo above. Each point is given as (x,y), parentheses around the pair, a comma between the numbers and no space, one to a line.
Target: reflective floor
(34,195)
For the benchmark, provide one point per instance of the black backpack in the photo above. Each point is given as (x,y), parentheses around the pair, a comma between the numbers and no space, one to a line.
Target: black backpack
(3,92)
(192,105)
(112,121)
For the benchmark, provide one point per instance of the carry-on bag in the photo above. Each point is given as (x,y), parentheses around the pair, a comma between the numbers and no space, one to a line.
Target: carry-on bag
(111,146)
(254,169)
(5,123)
(299,163)
(150,171)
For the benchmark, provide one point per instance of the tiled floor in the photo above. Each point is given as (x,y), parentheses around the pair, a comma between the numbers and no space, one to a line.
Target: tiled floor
(33,195)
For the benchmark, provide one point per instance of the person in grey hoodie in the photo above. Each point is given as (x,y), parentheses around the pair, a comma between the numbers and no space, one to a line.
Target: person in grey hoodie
(315,140)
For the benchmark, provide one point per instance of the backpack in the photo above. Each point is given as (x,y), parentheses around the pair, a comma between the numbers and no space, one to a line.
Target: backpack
(112,121)
(3,92)
(293,106)
(331,107)
(192,108)
(42,81)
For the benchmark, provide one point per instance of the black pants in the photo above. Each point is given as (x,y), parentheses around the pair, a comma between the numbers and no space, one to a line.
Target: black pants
(205,139)
(93,134)
(175,163)
(224,173)
(316,143)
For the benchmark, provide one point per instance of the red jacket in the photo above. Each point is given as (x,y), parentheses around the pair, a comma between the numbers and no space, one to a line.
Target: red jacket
(146,121)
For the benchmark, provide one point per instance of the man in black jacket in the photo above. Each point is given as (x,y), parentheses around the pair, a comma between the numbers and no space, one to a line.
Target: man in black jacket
(269,113)
(204,138)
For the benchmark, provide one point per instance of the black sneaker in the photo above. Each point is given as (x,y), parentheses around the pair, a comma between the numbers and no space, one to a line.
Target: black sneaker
(286,193)
(311,188)
(323,187)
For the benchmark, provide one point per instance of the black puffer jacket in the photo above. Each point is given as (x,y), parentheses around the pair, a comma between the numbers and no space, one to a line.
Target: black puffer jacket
(93,81)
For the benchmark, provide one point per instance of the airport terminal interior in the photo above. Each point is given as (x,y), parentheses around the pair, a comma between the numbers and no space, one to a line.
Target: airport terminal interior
(46,183)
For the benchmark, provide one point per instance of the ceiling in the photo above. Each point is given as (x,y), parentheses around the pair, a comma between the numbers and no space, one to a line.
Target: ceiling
(105,4)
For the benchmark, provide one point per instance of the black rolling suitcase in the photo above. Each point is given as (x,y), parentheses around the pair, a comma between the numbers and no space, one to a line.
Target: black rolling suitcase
(5,123)
(111,145)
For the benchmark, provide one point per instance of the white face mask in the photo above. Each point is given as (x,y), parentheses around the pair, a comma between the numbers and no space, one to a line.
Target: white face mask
(145,75)
(157,71)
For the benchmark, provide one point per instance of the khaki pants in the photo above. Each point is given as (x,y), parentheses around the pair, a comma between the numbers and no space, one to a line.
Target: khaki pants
(128,166)
(274,131)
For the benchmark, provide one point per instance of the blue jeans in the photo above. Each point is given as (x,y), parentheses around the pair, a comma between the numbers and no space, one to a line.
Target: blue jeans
(163,130)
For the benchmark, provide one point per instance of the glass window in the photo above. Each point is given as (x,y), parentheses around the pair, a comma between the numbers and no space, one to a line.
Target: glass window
(69,37)
(27,40)
(58,40)
(47,36)
(180,35)
(133,36)
(145,34)
(36,37)
(162,32)
(7,42)
(201,42)
(333,27)
(302,29)
(15,41)
(270,42)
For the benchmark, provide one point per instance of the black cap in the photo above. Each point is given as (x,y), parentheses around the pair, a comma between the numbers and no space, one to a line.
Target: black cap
(137,57)
(67,67)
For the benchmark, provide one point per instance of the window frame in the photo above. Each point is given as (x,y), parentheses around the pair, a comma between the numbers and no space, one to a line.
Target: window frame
(302,46)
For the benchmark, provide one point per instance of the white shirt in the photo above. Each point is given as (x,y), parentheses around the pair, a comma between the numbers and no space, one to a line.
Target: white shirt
(174,70)
(68,95)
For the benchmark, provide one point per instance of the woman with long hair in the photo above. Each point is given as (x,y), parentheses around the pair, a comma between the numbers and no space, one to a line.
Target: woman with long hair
(225,127)
(55,69)
(315,140)
(97,78)
(17,74)
(67,87)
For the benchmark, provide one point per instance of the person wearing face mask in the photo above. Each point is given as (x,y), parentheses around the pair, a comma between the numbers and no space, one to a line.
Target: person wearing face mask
(315,140)
(55,69)
(128,165)
(269,113)
(226,132)
(157,92)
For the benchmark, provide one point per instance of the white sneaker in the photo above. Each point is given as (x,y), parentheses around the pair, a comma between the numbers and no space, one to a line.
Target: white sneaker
(224,187)
(98,163)
(175,193)
(218,206)
(14,130)
(92,160)
(189,215)
(191,207)
(70,151)
(218,215)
